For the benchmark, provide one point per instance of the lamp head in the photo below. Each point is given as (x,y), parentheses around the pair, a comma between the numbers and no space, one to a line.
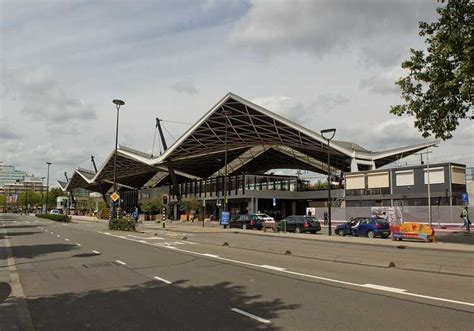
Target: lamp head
(328,134)
(118,102)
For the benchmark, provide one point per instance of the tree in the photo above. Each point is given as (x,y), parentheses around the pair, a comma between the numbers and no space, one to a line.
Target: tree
(189,204)
(52,196)
(152,206)
(439,90)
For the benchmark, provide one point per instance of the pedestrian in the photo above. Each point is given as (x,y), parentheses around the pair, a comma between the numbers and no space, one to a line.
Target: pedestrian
(465,219)
(135,215)
(326,217)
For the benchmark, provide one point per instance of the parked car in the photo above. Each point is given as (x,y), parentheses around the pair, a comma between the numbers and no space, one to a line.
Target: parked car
(246,222)
(253,221)
(365,226)
(299,224)
(268,221)
(55,212)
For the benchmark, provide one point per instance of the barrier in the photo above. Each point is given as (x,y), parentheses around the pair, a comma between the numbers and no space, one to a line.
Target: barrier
(412,231)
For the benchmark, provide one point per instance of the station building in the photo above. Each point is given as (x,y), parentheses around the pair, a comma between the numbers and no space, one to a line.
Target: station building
(257,141)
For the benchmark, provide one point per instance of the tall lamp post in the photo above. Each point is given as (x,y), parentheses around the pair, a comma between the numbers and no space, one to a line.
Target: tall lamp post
(118,103)
(226,113)
(328,134)
(47,186)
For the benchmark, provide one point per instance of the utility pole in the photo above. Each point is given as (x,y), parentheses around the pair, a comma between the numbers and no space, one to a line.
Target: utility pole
(428,180)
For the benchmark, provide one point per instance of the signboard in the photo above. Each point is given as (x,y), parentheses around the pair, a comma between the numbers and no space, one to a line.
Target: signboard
(392,214)
(115,196)
(310,211)
(274,202)
(465,198)
(225,218)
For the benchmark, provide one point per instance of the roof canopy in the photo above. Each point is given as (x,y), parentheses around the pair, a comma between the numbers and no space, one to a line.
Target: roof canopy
(257,140)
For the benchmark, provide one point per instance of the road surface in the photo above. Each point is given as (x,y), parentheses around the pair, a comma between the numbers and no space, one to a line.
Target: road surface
(56,276)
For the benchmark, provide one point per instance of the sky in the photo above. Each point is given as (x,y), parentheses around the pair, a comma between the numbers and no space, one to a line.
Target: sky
(320,63)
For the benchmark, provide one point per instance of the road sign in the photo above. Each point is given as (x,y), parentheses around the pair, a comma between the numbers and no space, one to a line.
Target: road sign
(165,198)
(225,218)
(115,196)
(465,198)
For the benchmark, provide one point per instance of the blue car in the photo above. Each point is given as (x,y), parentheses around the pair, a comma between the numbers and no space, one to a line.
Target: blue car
(364,226)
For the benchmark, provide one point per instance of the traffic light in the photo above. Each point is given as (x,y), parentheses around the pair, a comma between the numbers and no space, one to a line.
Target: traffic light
(165,199)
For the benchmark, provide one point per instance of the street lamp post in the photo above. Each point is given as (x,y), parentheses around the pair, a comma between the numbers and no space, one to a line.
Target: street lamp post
(47,187)
(328,134)
(117,103)
(226,113)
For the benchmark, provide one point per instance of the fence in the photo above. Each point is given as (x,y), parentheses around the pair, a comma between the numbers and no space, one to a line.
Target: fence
(439,214)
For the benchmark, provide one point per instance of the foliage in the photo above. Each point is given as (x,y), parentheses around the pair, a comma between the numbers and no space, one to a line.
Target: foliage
(152,205)
(52,196)
(189,203)
(122,224)
(3,200)
(104,213)
(59,218)
(438,90)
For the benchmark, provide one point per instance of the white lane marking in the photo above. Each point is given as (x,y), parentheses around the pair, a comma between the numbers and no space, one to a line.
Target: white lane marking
(306,275)
(142,241)
(121,262)
(107,233)
(66,239)
(384,288)
(210,255)
(251,315)
(147,238)
(96,252)
(179,242)
(14,221)
(77,244)
(58,236)
(272,267)
(52,232)
(162,279)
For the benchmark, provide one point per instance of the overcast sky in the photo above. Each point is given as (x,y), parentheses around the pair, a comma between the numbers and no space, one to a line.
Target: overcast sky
(320,63)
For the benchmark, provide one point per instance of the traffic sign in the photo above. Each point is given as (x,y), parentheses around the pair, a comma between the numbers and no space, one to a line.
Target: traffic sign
(465,198)
(115,196)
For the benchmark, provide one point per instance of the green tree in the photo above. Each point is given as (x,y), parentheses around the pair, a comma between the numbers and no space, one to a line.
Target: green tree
(3,200)
(438,90)
(189,204)
(152,205)
(52,196)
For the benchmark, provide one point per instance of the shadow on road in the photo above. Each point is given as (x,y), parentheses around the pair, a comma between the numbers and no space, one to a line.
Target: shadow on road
(154,306)
(32,251)
(19,226)
(13,234)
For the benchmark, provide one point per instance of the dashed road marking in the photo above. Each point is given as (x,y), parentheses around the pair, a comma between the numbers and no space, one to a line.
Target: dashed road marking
(58,236)
(162,279)
(66,239)
(96,252)
(262,320)
(272,267)
(120,262)
(79,245)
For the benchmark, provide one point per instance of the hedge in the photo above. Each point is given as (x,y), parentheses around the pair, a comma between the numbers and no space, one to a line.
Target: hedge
(59,218)
(122,224)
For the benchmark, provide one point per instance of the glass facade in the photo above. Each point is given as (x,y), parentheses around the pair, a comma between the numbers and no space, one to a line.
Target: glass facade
(9,175)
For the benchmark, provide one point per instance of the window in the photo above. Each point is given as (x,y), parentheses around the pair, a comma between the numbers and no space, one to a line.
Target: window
(355,182)
(436,175)
(404,178)
(458,175)
(377,180)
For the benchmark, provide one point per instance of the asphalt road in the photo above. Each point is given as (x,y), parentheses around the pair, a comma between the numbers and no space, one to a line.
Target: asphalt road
(78,276)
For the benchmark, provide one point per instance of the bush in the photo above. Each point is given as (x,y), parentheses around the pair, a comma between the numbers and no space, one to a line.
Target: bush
(122,224)
(59,218)
(104,214)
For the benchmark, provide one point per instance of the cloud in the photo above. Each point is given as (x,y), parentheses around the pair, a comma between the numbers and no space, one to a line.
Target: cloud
(286,107)
(321,27)
(7,133)
(185,86)
(44,98)
(330,101)
(383,83)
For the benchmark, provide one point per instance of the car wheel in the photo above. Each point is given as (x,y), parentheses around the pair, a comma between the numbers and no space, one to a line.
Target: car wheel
(371,234)
(244,226)
(341,233)
(298,229)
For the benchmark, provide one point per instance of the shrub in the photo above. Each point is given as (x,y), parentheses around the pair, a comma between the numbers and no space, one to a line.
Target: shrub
(104,214)
(58,218)
(122,224)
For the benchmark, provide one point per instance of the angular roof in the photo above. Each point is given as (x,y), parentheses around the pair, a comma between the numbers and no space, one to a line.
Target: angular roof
(256,139)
